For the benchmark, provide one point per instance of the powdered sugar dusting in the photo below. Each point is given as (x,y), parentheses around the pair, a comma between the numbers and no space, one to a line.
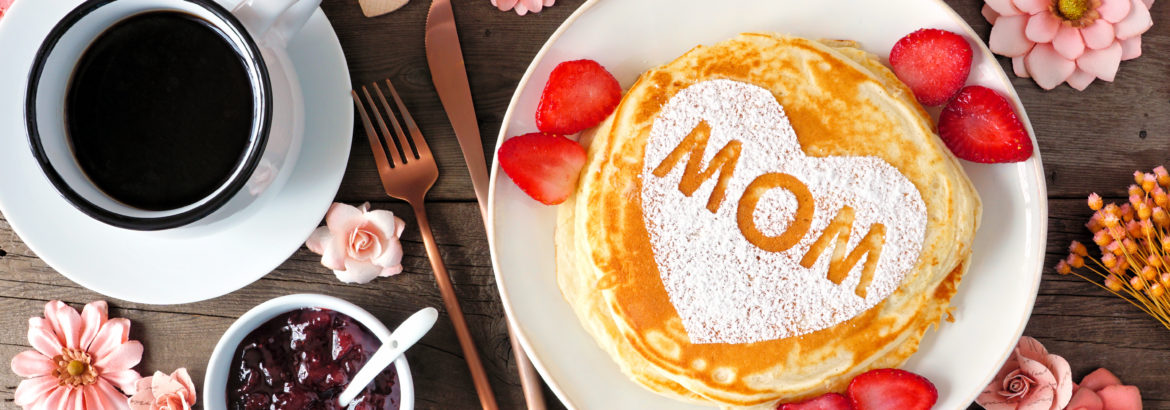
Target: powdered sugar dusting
(776,210)
(728,290)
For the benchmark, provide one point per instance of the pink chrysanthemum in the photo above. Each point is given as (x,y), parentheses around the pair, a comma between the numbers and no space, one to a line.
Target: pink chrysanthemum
(79,362)
(1067,41)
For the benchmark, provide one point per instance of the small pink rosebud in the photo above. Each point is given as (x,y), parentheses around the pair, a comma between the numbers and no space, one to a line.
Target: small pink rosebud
(1018,384)
(359,244)
(522,7)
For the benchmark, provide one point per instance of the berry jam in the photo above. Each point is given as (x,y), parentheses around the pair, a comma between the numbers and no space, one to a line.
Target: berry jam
(303,359)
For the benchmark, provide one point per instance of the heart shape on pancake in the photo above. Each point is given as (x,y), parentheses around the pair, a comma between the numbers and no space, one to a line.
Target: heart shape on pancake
(748,240)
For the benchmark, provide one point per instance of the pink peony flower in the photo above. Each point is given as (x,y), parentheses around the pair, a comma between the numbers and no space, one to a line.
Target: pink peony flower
(359,244)
(1102,390)
(79,362)
(163,392)
(1067,41)
(522,7)
(1030,379)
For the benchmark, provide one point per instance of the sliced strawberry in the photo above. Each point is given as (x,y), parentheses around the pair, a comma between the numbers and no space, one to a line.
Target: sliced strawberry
(544,166)
(579,94)
(827,401)
(979,125)
(933,63)
(891,389)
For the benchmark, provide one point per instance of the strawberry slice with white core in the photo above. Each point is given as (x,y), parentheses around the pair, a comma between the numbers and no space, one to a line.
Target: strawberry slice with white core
(544,166)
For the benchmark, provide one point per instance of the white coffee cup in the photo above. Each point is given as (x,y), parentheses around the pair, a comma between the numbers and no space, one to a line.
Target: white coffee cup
(258,29)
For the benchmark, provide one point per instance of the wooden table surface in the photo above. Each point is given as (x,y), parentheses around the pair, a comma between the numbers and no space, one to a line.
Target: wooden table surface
(1091,141)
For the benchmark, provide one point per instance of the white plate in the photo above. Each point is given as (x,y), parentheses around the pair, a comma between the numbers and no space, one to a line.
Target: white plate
(630,36)
(185,264)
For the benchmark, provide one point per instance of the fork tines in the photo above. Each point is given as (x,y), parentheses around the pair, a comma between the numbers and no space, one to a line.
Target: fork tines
(403,150)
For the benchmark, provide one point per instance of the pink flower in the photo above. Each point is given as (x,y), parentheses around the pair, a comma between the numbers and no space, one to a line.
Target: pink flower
(4,5)
(522,7)
(359,244)
(1030,379)
(163,392)
(1102,390)
(79,362)
(1067,41)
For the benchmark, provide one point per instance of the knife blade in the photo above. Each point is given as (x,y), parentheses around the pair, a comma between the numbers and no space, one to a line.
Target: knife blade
(449,74)
(445,58)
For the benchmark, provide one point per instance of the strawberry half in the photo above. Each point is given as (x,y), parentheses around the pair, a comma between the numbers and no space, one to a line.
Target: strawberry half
(891,389)
(827,401)
(933,63)
(979,125)
(544,166)
(579,94)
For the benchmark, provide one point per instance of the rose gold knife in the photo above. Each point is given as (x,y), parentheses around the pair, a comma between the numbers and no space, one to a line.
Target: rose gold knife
(445,58)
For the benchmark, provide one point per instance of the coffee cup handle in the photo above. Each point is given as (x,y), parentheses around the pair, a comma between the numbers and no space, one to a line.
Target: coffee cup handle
(274,22)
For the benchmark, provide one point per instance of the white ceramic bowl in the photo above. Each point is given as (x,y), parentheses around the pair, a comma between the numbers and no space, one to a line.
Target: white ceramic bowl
(219,367)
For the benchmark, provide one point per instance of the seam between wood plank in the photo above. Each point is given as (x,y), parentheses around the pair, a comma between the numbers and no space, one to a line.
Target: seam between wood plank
(29,282)
(125,308)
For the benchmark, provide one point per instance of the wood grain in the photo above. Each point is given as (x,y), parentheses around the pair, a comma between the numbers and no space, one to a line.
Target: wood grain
(1130,115)
(1090,327)
(497,49)
(1091,141)
(1087,137)
(184,335)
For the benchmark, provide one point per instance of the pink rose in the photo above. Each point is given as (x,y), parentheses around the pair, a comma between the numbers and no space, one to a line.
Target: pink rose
(359,244)
(1102,390)
(163,392)
(1030,379)
(521,7)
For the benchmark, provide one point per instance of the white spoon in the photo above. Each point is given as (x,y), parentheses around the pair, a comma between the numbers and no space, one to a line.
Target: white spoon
(406,335)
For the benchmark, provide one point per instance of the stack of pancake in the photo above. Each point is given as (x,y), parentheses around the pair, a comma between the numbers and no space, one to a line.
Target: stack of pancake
(841,102)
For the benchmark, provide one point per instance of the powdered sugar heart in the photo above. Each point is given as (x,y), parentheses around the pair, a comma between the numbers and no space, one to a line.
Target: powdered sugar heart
(725,286)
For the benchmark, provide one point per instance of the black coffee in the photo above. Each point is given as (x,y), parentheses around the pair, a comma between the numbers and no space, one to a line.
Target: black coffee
(159,110)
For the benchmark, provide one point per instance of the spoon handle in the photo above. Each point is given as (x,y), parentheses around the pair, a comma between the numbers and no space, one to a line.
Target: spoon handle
(402,338)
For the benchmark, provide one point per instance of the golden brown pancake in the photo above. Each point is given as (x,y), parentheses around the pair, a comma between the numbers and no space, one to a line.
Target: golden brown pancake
(881,287)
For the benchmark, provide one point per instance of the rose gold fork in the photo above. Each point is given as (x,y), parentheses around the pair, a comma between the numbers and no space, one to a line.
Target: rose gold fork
(407,174)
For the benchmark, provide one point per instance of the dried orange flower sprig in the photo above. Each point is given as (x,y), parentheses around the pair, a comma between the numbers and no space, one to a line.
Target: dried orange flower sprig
(1134,239)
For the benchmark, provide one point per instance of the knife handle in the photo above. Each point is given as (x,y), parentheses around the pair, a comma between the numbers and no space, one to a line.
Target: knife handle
(529,379)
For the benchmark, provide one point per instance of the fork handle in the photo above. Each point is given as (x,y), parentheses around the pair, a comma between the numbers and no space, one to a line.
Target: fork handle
(478,376)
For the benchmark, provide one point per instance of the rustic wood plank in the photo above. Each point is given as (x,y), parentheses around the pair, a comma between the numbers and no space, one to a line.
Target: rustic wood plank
(1087,326)
(183,335)
(497,48)
(1090,141)
(1090,327)
(457,228)
(1110,129)
(1087,137)
(1076,130)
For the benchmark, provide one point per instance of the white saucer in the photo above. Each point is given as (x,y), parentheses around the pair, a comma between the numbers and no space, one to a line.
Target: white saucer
(185,264)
